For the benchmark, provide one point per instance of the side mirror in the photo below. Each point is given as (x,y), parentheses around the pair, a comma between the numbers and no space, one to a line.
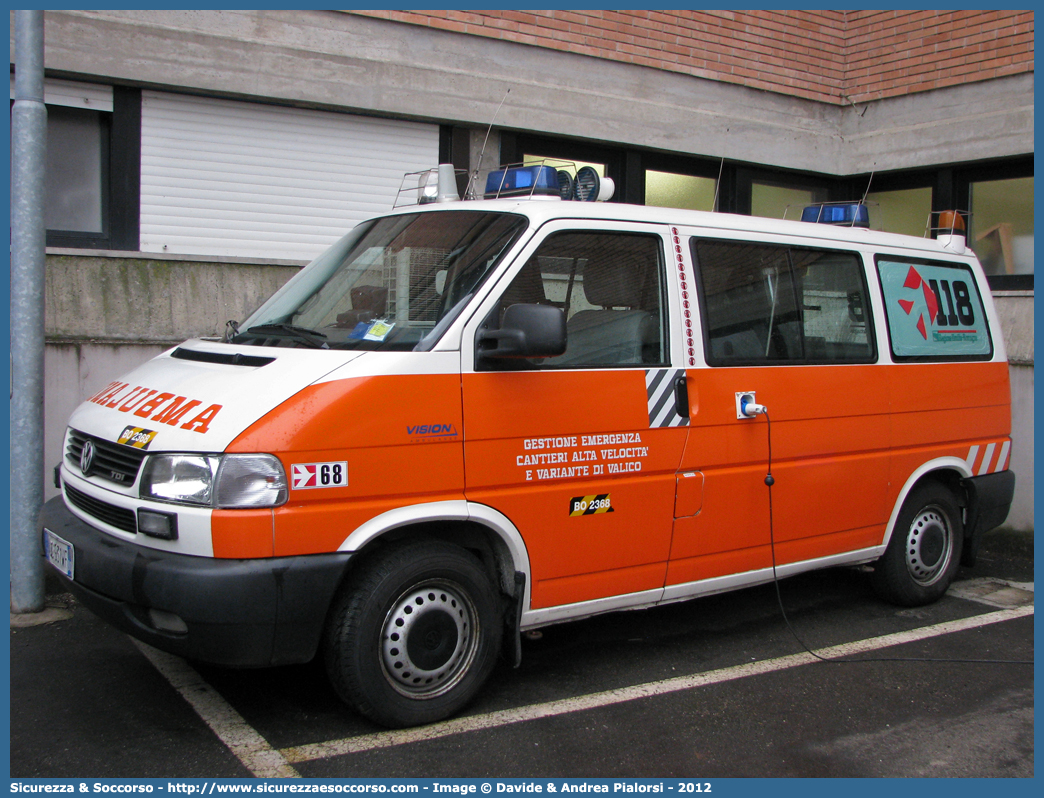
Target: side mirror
(526,331)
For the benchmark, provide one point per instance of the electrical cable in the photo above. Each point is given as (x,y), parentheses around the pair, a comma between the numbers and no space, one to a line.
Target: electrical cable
(769,482)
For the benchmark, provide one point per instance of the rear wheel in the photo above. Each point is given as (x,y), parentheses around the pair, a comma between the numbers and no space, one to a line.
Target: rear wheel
(925,550)
(414,635)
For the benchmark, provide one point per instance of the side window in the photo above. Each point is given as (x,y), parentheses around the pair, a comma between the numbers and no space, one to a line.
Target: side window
(934,310)
(834,307)
(768,303)
(609,285)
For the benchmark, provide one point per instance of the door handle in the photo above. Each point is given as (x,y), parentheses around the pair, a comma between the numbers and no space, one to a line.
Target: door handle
(681,396)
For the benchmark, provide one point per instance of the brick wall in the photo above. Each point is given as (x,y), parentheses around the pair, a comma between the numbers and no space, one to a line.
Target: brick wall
(829,56)
(901,52)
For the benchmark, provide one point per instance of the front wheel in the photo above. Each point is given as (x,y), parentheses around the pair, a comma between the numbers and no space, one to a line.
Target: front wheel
(415,634)
(925,550)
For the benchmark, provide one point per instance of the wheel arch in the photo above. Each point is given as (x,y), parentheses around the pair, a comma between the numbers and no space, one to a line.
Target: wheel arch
(476,527)
(950,471)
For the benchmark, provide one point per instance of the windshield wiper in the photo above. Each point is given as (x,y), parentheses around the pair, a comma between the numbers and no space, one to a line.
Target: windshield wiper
(311,337)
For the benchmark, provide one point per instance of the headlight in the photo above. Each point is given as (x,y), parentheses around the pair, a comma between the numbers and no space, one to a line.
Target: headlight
(250,480)
(231,480)
(187,478)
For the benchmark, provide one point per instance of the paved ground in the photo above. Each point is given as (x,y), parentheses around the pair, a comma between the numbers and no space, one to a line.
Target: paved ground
(714,688)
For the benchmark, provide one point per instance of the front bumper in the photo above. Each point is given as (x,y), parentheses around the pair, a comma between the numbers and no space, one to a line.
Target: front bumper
(242,613)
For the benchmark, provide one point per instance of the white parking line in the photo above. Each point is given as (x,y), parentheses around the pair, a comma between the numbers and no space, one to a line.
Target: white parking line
(250,748)
(564,706)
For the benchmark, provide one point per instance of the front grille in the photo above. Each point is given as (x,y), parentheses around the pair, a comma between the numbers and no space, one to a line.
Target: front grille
(119,517)
(112,461)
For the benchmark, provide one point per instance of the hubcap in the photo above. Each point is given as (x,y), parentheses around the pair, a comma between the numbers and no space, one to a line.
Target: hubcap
(429,639)
(929,546)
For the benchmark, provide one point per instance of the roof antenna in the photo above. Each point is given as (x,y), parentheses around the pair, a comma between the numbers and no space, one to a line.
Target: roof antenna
(868,182)
(721,168)
(474,175)
(866,193)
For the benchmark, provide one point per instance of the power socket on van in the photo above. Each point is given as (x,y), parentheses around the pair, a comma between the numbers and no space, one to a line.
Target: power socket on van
(747,406)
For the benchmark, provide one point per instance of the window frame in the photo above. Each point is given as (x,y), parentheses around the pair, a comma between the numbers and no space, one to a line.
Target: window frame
(121,185)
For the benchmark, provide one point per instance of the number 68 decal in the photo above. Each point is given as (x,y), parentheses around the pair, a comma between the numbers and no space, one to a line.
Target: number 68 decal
(318,475)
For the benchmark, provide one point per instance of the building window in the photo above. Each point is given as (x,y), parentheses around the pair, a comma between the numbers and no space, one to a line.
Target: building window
(607,161)
(93,184)
(783,201)
(905,211)
(76,183)
(1002,225)
(566,166)
(670,190)
(999,196)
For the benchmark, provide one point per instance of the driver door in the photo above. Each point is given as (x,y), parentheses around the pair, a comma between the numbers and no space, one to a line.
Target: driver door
(580,450)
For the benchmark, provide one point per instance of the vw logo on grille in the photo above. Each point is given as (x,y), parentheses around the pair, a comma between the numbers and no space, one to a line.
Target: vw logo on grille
(87,458)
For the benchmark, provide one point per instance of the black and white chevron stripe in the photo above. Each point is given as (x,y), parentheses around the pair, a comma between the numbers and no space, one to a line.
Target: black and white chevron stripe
(663,409)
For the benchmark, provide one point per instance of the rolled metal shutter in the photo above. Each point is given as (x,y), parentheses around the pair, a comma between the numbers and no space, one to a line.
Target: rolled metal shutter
(229,178)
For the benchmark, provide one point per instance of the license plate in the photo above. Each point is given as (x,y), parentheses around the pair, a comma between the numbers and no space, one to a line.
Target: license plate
(59,553)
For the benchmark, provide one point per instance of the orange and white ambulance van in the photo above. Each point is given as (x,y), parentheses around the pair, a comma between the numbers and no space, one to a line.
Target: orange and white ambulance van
(470,419)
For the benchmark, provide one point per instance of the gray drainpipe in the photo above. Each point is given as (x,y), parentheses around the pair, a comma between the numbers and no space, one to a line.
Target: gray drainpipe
(28,239)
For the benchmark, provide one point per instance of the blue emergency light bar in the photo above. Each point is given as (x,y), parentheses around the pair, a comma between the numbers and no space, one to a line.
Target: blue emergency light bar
(848,214)
(522,181)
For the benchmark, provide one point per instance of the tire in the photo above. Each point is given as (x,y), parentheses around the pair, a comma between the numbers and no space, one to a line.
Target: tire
(925,550)
(414,634)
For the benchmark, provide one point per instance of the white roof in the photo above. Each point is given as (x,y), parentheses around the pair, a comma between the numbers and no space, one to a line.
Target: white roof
(547,209)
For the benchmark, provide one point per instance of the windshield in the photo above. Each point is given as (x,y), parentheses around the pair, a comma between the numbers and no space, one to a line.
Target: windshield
(394,284)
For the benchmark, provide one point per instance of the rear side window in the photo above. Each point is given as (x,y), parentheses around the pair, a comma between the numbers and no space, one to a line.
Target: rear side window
(934,310)
(774,304)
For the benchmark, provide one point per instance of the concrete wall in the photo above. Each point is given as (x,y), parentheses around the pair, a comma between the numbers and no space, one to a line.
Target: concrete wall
(1021,515)
(129,297)
(1015,309)
(823,55)
(348,62)
(72,372)
(106,313)
(945,126)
